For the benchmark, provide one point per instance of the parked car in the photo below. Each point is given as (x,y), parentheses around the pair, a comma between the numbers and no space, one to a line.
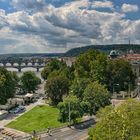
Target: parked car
(17,109)
(14,110)
(22,108)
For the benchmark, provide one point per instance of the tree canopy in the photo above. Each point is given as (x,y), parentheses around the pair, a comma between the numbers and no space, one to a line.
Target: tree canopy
(91,64)
(96,96)
(119,72)
(119,123)
(78,87)
(56,87)
(70,107)
(51,66)
(29,81)
(7,85)
(97,67)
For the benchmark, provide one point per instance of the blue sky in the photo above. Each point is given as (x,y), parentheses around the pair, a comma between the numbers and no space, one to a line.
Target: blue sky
(58,25)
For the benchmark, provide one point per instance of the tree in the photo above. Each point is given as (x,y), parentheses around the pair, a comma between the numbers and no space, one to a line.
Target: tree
(29,81)
(92,65)
(118,123)
(51,66)
(119,72)
(70,106)
(56,87)
(65,72)
(78,87)
(95,97)
(97,67)
(7,85)
(16,79)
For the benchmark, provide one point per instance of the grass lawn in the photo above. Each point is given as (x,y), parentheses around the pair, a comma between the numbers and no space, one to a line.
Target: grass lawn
(39,118)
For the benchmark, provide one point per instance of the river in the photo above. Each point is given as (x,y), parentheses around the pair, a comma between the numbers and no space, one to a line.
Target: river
(26,69)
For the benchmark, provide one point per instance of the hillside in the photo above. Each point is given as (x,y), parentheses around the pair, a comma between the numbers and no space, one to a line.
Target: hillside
(123,48)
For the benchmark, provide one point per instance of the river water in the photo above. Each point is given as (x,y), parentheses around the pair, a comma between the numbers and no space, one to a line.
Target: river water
(26,69)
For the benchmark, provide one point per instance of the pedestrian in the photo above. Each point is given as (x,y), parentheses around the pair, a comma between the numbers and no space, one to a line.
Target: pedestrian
(34,133)
(48,129)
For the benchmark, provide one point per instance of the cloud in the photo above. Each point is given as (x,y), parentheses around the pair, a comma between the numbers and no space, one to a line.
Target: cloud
(36,5)
(40,26)
(3,21)
(129,8)
(28,5)
(103,4)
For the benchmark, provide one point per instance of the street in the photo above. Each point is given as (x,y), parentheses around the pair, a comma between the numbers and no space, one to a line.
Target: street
(67,134)
(78,132)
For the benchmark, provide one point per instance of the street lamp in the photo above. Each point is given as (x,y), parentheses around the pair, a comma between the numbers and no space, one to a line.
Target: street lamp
(114,89)
(69,113)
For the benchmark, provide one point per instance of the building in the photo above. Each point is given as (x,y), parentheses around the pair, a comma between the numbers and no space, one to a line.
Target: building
(68,60)
(16,101)
(134,60)
(113,54)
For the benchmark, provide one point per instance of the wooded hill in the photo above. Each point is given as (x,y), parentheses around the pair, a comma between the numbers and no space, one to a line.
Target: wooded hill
(122,48)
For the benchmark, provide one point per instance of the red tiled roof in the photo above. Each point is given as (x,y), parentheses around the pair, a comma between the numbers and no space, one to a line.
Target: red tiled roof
(131,57)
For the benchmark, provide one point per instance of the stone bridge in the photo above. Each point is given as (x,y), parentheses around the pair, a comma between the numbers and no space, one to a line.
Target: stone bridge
(20,66)
(36,63)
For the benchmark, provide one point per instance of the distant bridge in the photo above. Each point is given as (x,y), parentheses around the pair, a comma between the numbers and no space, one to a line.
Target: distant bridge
(37,63)
(19,67)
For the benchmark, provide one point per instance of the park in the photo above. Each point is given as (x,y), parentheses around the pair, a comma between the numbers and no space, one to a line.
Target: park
(39,118)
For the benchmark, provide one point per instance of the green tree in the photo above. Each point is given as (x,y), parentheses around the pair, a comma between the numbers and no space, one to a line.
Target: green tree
(7,85)
(56,87)
(119,72)
(91,64)
(51,66)
(97,67)
(119,123)
(70,106)
(78,87)
(65,72)
(16,79)
(29,81)
(95,97)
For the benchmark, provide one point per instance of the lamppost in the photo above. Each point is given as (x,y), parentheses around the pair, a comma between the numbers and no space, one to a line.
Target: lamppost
(114,89)
(138,85)
(69,114)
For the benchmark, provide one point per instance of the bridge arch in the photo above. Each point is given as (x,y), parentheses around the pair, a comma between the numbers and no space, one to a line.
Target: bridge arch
(28,69)
(12,69)
(29,64)
(8,64)
(36,64)
(15,64)
(23,64)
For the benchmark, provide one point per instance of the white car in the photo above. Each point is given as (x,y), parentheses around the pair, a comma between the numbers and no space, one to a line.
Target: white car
(15,110)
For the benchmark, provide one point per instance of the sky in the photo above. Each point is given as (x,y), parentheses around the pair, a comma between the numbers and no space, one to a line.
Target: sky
(53,26)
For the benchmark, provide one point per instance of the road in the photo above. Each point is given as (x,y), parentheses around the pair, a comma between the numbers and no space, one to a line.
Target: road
(67,134)
(78,132)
